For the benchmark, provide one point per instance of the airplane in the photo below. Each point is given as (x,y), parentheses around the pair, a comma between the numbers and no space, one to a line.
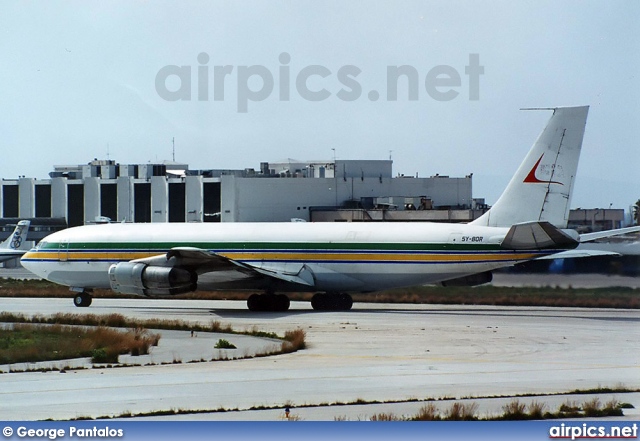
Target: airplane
(331,260)
(13,246)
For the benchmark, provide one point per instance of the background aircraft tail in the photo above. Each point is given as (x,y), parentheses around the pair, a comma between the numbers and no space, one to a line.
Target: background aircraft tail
(541,188)
(18,238)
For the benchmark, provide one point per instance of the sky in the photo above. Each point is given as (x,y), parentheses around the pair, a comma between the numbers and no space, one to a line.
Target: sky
(238,83)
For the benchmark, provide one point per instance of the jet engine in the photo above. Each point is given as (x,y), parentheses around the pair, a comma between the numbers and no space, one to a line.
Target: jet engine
(142,279)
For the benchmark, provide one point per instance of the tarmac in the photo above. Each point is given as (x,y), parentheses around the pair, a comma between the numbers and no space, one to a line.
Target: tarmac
(376,352)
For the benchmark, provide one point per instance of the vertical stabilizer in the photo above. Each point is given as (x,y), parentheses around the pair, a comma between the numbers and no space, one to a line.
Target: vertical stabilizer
(18,238)
(541,188)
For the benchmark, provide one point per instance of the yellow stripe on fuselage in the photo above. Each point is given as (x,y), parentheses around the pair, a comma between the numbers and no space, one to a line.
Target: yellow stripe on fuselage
(289,256)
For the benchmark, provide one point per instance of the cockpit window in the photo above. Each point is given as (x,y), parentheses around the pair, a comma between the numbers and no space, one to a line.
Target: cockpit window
(42,245)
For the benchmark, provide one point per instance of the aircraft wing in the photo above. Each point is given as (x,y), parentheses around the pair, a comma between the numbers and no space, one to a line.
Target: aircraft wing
(204,262)
(193,259)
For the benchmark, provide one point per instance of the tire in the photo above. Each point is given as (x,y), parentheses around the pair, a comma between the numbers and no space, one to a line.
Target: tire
(318,303)
(254,302)
(82,300)
(282,302)
(346,302)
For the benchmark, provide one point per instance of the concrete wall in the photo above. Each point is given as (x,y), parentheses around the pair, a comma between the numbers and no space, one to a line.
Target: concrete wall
(194,195)
(159,199)
(125,199)
(91,199)
(59,197)
(27,196)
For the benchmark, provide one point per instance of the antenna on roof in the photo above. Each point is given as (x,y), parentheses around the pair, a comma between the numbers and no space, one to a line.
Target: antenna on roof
(173,143)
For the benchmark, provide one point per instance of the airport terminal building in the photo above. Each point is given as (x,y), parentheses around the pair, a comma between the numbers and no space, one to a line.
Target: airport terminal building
(337,190)
(316,191)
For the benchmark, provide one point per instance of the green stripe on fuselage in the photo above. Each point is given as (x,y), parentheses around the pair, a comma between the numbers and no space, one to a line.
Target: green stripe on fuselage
(160,246)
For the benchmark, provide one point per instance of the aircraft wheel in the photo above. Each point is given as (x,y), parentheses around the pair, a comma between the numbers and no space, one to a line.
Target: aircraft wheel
(346,302)
(318,302)
(253,302)
(82,300)
(282,302)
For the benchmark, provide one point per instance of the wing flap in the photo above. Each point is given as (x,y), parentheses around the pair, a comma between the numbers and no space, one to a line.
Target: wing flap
(303,276)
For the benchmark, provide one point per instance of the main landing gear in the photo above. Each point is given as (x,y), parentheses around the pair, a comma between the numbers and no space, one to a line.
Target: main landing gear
(332,301)
(268,302)
(82,299)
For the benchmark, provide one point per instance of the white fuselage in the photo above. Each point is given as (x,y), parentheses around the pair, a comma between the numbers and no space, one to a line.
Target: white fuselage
(349,257)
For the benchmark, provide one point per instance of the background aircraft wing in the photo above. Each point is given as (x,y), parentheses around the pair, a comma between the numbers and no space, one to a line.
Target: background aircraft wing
(574,254)
(588,237)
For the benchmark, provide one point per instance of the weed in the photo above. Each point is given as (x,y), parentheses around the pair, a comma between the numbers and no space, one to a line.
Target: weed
(537,410)
(592,408)
(385,417)
(514,410)
(428,412)
(461,412)
(294,341)
(224,344)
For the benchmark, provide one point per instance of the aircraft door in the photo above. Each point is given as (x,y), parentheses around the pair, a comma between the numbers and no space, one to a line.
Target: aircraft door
(454,239)
(63,250)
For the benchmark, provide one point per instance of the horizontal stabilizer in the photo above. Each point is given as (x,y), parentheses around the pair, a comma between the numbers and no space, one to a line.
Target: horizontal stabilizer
(537,236)
(588,237)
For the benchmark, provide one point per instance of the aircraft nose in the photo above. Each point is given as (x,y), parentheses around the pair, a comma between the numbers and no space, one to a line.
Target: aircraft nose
(30,261)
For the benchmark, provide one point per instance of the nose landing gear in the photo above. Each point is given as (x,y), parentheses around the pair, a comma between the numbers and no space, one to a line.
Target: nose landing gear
(82,299)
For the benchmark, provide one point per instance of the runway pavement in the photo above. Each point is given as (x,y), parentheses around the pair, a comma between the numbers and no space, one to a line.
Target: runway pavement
(374,352)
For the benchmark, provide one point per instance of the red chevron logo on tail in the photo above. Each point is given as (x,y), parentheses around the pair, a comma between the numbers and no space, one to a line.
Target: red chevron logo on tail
(531,177)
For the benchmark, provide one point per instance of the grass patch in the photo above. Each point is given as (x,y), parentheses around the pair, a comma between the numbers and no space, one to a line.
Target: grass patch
(21,343)
(430,412)
(139,339)
(611,297)
(119,321)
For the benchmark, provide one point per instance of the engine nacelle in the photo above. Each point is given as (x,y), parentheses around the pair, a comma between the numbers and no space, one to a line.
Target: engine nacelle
(143,279)
(472,280)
